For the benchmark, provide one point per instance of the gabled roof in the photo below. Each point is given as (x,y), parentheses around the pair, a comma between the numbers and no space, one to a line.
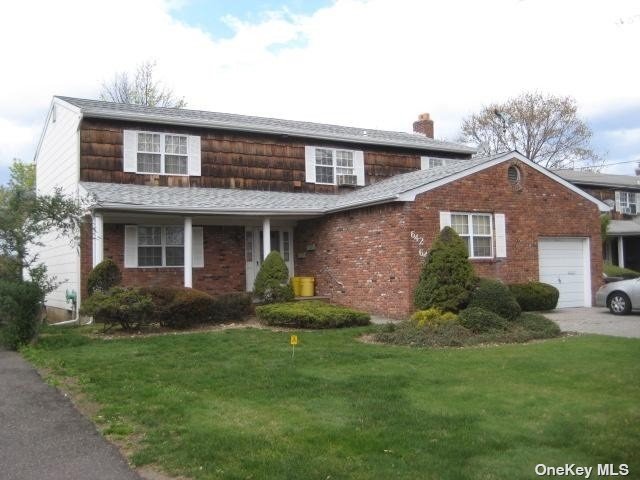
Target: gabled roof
(600,179)
(224,201)
(228,121)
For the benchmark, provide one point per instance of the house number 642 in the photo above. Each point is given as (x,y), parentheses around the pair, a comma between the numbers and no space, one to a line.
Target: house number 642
(419,239)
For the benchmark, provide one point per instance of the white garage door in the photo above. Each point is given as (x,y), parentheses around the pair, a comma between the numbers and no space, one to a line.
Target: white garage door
(564,263)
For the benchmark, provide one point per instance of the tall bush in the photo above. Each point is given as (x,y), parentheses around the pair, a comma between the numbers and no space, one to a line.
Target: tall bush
(20,308)
(103,276)
(447,275)
(272,282)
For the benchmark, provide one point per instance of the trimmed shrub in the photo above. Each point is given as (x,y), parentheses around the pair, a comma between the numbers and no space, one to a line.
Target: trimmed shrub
(538,325)
(447,275)
(310,314)
(231,306)
(480,320)
(180,307)
(450,334)
(272,281)
(128,307)
(496,297)
(20,308)
(103,276)
(432,317)
(535,296)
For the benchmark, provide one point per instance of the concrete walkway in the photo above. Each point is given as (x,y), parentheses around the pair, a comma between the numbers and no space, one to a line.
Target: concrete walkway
(42,435)
(596,320)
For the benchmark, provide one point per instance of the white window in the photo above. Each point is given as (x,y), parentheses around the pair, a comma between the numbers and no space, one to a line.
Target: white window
(477,232)
(334,166)
(161,153)
(160,246)
(627,202)
(431,162)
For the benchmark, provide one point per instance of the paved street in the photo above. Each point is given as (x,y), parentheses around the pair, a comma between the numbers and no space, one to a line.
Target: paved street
(42,435)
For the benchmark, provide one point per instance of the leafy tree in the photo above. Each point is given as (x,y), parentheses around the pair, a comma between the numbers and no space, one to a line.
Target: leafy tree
(544,128)
(142,90)
(25,217)
(447,275)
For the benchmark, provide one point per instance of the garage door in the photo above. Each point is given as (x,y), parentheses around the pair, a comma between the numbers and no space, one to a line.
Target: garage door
(564,263)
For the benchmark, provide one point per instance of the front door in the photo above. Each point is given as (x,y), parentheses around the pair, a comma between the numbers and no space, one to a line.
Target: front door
(281,241)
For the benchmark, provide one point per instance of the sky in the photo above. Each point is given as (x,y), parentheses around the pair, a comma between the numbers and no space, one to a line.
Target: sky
(364,63)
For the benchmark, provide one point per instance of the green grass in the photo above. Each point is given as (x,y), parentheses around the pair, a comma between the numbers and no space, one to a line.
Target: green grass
(234,404)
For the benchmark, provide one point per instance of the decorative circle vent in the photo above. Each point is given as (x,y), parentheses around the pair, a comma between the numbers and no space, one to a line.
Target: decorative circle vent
(513,174)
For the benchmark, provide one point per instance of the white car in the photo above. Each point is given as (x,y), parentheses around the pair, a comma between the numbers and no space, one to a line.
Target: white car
(620,297)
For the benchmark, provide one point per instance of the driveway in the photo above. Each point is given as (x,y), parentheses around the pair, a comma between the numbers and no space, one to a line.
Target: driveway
(42,435)
(596,320)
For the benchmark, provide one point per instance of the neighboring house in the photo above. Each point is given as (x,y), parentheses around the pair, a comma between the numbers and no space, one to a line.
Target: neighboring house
(197,199)
(622,194)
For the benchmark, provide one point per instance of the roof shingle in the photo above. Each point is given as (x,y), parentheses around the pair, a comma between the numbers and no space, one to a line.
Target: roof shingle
(228,121)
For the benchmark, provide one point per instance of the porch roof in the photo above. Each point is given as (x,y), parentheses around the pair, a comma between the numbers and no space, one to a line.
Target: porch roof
(624,227)
(226,201)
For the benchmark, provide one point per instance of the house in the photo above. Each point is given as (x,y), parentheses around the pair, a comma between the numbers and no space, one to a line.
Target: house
(197,199)
(622,194)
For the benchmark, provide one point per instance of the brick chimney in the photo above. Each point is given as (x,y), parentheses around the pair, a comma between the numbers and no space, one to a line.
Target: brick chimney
(424,125)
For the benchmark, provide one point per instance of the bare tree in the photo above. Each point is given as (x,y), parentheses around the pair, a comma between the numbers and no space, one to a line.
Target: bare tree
(544,128)
(142,90)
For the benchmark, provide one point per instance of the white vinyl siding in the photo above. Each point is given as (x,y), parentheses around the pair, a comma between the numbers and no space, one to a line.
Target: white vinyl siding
(161,153)
(160,246)
(57,166)
(324,164)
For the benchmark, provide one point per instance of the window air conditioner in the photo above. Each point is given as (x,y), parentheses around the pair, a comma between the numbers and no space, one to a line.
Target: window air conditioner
(347,180)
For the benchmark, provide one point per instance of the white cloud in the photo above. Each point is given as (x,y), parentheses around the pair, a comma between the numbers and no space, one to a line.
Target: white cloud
(375,64)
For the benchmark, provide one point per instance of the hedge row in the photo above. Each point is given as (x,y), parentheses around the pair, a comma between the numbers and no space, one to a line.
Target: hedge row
(310,314)
(178,308)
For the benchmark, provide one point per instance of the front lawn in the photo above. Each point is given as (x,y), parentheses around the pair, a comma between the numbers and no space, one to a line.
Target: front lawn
(234,404)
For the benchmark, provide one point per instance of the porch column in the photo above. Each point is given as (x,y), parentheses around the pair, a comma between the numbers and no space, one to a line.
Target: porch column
(188,253)
(621,252)
(98,238)
(266,237)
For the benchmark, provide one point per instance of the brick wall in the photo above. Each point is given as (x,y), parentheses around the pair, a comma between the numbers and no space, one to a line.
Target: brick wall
(367,259)
(223,272)
(361,258)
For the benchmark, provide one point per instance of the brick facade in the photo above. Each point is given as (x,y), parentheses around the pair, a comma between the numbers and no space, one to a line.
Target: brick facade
(367,259)
(224,261)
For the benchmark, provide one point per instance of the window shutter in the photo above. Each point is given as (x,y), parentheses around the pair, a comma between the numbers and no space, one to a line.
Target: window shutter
(424,163)
(445,219)
(195,155)
(358,166)
(501,235)
(130,150)
(618,205)
(130,246)
(310,164)
(197,247)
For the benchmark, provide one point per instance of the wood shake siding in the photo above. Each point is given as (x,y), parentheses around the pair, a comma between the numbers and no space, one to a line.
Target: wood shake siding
(233,159)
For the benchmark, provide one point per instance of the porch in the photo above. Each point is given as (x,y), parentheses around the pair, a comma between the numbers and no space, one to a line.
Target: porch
(214,253)
(622,247)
